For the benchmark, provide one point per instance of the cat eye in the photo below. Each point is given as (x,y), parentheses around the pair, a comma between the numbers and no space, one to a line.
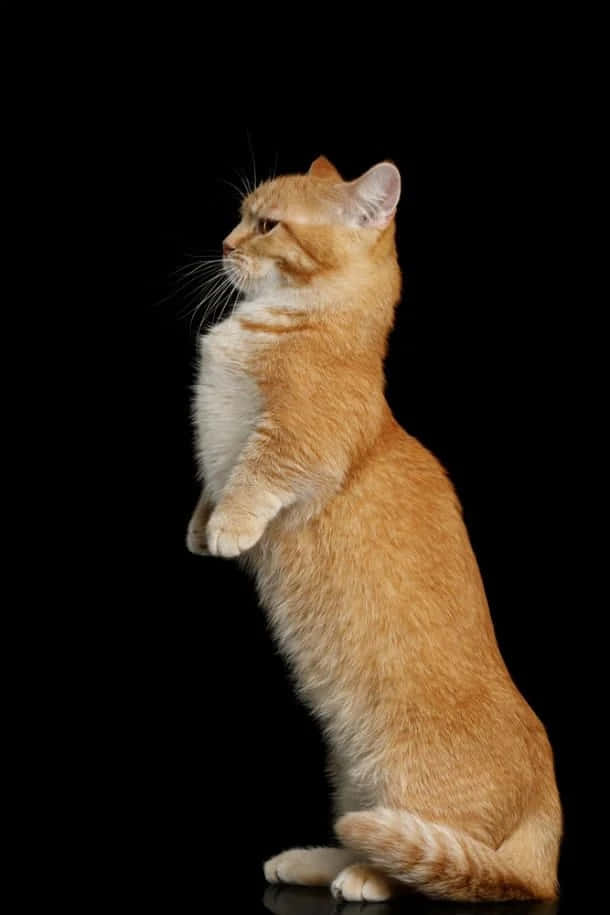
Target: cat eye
(265,225)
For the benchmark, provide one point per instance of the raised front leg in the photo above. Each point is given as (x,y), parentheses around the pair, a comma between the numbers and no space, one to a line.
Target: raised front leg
(301,450)
(274,471)
(196,536)
(239,521)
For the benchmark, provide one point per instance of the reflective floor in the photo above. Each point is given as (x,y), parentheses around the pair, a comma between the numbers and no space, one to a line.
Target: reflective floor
(286,900)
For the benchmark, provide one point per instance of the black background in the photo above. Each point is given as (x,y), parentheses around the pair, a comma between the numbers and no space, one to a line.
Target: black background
(216,764)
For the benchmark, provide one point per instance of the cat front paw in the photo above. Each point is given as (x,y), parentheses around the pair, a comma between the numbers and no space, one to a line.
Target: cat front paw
(196,535)
(230,533)
(361,883)
(196,539)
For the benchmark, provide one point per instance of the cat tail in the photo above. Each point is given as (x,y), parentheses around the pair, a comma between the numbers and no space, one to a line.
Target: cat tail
(435,860)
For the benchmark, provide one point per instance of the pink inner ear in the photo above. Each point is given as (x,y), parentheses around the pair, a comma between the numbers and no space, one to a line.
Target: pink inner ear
(322,168)
(374,196)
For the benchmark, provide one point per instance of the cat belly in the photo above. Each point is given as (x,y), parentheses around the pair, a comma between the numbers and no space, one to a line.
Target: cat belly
(228,405)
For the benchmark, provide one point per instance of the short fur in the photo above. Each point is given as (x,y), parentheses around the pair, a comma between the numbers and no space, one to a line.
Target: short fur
(443,776)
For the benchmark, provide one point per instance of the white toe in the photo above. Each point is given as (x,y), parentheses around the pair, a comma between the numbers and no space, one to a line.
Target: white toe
(359,883)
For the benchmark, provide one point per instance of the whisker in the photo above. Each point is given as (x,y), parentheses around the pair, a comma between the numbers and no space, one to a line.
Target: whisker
(244,181)
(202,289)
(210,301)
(198,281)
(215,309)
(190,270)
(200,259)
(203,255)
(273,173)
(238,191)
(252,156)
(227,306)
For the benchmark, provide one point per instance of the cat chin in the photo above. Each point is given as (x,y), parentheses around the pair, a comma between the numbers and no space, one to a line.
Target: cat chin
(262,287)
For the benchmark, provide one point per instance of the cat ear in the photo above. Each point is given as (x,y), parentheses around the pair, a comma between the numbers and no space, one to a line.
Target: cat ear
(322,168)
(371,200)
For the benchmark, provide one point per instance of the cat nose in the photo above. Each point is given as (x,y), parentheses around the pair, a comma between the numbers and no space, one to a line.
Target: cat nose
(226,248)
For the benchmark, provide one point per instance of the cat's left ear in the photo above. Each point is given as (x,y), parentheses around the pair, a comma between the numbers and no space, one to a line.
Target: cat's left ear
(322,168)
(371,200)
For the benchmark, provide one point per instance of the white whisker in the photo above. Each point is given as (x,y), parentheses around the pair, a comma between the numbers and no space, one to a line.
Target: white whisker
(252,156)
(239,191)
(244,182)
(214,299)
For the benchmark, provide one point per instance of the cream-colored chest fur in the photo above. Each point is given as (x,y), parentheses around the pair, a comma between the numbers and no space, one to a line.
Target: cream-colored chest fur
(228,404)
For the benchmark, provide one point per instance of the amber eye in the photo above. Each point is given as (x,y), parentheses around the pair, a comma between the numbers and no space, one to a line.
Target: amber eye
(265,225)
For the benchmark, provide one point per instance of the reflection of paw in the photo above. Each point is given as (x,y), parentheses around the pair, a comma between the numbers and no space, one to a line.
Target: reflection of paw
(230,533)
(282,899)
(360,883)
(196,538)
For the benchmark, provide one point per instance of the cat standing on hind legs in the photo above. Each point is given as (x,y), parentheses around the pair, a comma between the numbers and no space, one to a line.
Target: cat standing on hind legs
(443,775)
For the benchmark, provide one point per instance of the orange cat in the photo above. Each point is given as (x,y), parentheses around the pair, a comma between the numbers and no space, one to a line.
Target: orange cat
(443,775)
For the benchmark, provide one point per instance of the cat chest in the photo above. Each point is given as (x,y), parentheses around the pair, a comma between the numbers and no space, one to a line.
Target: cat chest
(228,406)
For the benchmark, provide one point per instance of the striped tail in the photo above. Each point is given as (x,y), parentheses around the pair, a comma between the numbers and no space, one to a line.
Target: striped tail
(438,861)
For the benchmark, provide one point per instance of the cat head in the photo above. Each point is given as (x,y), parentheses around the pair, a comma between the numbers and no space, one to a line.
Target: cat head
(296,227)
